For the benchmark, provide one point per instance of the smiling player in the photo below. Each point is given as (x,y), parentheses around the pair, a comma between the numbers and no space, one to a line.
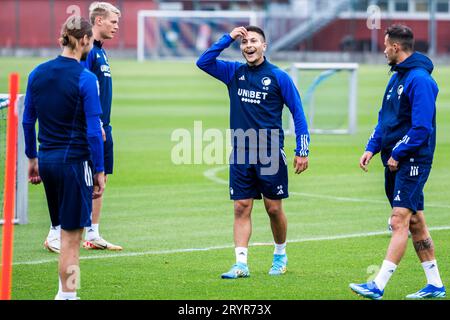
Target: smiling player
(258,91)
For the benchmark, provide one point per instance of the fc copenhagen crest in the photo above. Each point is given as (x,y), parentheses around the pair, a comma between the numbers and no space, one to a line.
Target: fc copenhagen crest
(266,81)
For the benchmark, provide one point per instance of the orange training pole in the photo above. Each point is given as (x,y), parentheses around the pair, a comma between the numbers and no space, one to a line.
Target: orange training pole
(10,190)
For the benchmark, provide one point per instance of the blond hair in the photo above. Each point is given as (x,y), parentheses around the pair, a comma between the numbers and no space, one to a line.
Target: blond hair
(101,9)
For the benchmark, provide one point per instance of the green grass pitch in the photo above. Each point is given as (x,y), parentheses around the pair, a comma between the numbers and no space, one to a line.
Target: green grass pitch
(162,213)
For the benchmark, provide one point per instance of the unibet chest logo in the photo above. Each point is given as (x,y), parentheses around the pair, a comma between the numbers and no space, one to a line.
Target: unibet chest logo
(251,96)
(105,68)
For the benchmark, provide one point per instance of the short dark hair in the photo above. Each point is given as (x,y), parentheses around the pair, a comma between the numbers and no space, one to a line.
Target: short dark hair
(257,30)
(402,34)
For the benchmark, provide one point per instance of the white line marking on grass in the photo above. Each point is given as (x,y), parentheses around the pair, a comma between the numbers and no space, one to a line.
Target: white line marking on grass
(211,174)
(334,198)
(320,196)
(159,252)
(128,254)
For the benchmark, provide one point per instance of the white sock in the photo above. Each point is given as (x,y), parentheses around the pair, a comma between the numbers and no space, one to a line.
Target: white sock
(64,295)
(92,232)
(280,248)
(67,295)
(241,254)
(385,273)
(432,273)
(55,232)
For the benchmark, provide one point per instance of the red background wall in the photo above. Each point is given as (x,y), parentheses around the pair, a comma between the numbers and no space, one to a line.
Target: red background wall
(336,31)
(40,21)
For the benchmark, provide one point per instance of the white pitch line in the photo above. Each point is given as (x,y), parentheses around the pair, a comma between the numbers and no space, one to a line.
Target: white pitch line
(320,196)
(312,195)
(211,174)
(159,252)
(129,254)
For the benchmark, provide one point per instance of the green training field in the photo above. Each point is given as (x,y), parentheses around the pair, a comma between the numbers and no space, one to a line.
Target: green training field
(175,221)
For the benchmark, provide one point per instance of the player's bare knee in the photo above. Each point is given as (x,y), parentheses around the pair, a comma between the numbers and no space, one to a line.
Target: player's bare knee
(274,211)
(418,227)
(415,224)
(398,225)
(242,208)
(72,237)
(400,219)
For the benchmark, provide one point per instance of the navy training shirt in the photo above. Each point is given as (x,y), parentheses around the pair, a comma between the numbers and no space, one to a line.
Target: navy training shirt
(257,95)
(97,63)
(63,96)
(406,128)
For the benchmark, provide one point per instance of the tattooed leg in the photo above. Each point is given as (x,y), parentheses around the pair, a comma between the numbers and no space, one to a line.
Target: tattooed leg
(422,245)
(421,237)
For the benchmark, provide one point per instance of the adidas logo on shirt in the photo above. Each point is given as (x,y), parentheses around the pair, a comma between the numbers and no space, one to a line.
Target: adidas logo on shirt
(242,78)
(397,197)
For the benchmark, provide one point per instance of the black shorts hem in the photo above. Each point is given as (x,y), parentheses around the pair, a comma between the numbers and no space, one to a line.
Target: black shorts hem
(414,211)
(72,228)
(234,198)
(280,197)
(271,197)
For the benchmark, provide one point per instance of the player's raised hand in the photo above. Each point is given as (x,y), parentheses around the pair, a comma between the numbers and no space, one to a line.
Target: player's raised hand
(99,185)
(300,164)
(33,171)
(238,32)
(364,160)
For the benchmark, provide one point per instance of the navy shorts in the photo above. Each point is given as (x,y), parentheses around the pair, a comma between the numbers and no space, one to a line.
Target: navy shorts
(68,188)
(108,148)
(404,188)
(250,181)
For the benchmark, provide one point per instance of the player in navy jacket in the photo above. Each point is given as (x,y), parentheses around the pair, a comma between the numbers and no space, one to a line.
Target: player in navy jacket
(63,97)
(406,137)
(258,90)
(105,21)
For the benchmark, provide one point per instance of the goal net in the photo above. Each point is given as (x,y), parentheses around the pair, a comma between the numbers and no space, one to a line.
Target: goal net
(187,34)
(21,176)
(329,95)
